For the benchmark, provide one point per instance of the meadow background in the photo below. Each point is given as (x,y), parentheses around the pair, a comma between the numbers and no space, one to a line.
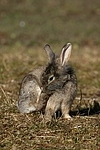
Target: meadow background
(25,27)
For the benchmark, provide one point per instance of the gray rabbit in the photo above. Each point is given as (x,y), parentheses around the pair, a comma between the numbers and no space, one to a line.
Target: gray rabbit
(51,88)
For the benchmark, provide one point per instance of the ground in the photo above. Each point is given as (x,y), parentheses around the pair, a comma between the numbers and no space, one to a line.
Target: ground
(24,29)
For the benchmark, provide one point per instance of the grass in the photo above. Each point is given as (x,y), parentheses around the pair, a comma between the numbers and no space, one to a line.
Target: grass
(52,22)
(21,50)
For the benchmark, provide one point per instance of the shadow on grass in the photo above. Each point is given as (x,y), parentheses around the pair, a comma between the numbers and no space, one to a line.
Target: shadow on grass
(92,110)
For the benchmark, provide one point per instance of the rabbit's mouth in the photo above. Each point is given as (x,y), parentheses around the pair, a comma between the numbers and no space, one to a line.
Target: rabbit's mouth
(51,88)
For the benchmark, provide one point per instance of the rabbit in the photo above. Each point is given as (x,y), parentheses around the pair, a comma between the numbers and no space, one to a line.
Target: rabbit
(60,82)
(50,88)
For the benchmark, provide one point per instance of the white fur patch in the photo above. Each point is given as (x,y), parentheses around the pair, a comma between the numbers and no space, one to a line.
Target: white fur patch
(39,92)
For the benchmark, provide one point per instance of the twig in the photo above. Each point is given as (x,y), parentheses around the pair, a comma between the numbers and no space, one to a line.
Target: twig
(4,93)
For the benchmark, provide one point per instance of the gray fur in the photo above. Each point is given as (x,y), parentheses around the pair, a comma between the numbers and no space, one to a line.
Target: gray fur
(50,88)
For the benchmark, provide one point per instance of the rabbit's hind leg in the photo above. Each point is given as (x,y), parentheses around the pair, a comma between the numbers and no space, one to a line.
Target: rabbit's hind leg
(25,105)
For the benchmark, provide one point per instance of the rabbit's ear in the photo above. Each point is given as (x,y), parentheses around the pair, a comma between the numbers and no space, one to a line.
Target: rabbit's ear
(65,53)
(50,54)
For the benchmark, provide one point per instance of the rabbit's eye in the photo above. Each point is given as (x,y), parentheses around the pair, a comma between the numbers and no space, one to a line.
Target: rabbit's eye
(51,78)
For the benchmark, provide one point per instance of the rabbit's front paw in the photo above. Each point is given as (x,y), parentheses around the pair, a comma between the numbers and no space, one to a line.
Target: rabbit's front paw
(68,117)
(47,119)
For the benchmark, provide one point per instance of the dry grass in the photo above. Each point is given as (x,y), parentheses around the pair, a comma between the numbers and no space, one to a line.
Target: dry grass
(28,131)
